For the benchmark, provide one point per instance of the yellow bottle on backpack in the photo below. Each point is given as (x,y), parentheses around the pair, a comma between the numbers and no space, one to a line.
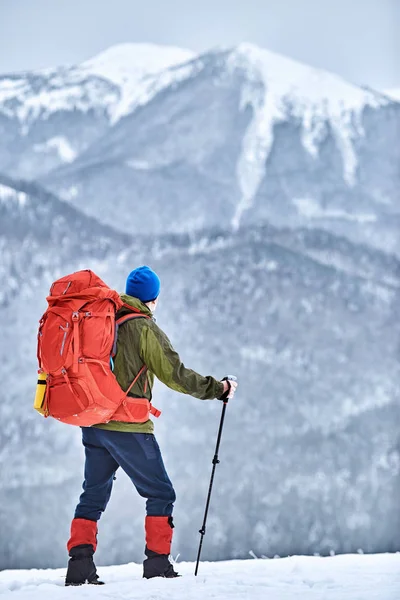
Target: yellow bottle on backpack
(40,395)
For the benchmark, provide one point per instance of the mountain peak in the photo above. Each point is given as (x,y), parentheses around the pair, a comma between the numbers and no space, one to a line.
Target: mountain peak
(122,62)
(299,79)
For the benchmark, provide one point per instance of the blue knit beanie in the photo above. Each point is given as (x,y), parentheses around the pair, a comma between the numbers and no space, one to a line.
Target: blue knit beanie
(143,283)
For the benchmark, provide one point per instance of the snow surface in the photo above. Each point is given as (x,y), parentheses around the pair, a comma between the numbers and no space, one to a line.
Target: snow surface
(393,93)
(347,577)
(276,86)
(60,90)
(11,87)
(147,88)
(69,193)
(123,62)
(61,145)
(126,64)
(311,209)
(8,194)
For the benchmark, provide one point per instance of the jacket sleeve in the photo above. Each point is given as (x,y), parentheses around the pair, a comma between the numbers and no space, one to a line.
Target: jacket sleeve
(158,354)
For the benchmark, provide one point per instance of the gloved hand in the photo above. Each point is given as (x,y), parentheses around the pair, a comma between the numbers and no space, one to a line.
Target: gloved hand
(230,386)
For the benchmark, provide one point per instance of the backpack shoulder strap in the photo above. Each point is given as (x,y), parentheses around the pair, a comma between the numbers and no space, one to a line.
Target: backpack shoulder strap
(126,318)
(121,321)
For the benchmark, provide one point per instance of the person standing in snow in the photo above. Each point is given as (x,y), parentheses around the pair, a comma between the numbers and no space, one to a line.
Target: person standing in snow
(132,446)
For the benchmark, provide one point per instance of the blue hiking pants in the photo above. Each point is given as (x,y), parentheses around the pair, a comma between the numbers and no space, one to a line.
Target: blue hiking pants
(138,454)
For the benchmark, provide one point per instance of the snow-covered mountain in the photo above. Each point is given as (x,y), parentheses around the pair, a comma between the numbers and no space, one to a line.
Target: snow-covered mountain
(243,136)
(277,141)
(49,117)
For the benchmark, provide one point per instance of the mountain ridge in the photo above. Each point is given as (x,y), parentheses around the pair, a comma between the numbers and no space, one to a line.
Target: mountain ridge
(115,82)
(262,149)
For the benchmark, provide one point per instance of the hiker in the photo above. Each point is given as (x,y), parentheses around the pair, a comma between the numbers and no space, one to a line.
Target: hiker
(143,351)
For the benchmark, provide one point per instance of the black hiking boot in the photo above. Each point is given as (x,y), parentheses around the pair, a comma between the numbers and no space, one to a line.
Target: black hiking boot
(81,567)
(158,565)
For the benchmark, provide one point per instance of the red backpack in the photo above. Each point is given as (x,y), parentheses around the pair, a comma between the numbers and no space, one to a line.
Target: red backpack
(77,334)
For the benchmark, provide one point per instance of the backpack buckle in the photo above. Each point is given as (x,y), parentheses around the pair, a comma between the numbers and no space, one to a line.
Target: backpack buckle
(75,316)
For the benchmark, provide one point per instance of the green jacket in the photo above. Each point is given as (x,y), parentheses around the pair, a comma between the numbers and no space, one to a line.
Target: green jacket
(142,342)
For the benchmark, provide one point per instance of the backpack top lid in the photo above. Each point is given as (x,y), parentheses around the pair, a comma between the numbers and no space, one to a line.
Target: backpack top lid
(82,283)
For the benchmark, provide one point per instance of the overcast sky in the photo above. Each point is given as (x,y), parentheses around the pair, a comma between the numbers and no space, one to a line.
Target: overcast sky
(358,39)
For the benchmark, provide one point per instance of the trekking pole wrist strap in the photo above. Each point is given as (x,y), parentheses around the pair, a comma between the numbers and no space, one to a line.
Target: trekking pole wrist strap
(224,396)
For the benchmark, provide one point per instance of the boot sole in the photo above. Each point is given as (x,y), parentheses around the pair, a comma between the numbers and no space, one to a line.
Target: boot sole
(84,583)
(163,576)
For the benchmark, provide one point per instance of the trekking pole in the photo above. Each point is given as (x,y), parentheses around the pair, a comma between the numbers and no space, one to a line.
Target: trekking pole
(215,462)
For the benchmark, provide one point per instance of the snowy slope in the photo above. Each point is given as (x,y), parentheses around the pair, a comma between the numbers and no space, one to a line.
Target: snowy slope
(347,577)
(48,117)
(276,86)
(127,64)
(101,82)
(393,93)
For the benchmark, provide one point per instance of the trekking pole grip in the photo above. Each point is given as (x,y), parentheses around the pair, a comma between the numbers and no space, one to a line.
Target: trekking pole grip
(224,396)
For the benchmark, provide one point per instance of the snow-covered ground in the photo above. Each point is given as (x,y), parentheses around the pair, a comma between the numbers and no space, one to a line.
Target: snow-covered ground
(349,577)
